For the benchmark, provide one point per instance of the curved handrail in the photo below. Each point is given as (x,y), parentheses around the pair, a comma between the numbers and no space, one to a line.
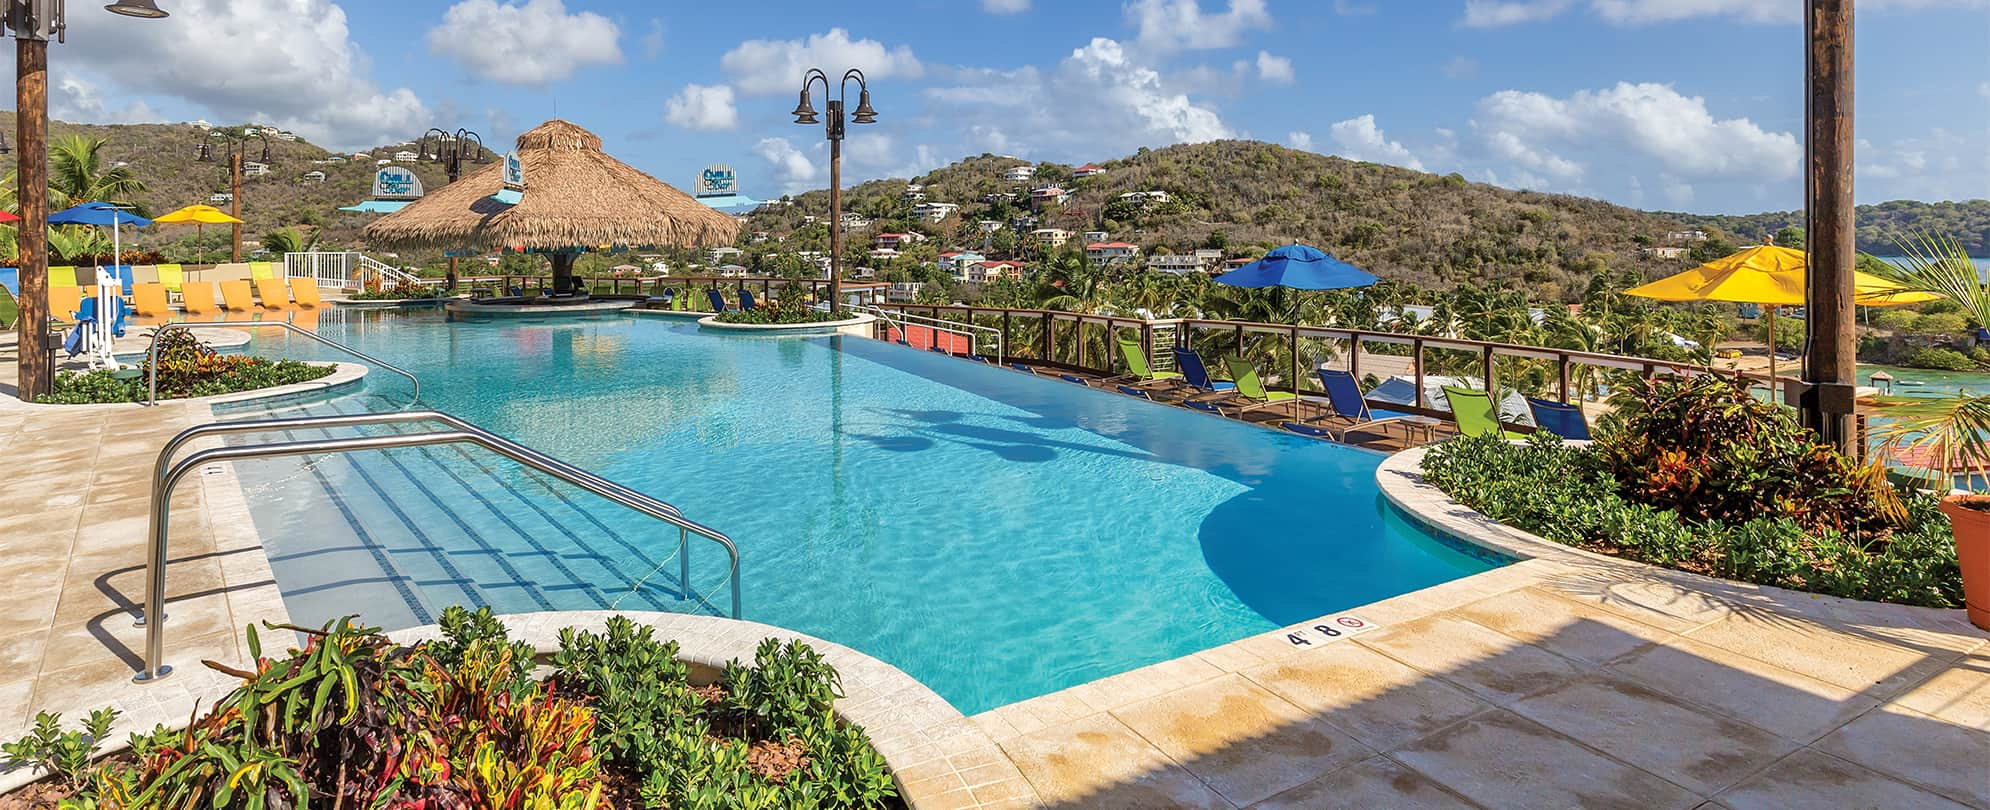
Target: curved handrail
(165,480)
(152,352)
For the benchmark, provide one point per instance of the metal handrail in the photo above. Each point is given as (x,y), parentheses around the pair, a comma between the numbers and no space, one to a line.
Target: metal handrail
(900,318)
(166,478)
(152,352)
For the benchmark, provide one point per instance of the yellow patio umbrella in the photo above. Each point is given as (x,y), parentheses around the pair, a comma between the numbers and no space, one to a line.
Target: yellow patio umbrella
(197,216)
(1771,276)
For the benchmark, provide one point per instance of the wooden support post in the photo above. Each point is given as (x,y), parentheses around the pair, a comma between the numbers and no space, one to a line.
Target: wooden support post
(1007,338)
(1416,363)
(1562,359)
(1829,320)
(1487,363)
(1294,382)
(1354,356)
(31,137)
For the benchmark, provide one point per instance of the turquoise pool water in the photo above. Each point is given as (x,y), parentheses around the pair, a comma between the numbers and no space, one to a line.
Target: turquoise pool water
(996,535)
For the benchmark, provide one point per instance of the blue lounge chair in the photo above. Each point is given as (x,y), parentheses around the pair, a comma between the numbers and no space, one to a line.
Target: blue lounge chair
(746,299)
(1350,406)
(1197,375)
(1070,378)
(1562,420)
(718,302)
(1135,392)
(1023,368)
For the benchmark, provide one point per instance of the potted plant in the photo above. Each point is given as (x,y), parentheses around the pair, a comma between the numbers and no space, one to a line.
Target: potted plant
(1953,429)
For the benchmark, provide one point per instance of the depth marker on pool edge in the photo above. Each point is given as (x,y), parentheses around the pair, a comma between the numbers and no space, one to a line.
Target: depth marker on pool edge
(1332,628)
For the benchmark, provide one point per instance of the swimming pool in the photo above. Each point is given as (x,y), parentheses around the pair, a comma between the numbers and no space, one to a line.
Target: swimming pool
(994,534)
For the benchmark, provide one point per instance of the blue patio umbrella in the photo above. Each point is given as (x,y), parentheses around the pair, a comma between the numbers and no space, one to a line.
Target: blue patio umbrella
(1299,267)
(98,213)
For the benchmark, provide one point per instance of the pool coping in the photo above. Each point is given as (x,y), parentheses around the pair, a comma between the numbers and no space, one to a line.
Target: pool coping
(343,375)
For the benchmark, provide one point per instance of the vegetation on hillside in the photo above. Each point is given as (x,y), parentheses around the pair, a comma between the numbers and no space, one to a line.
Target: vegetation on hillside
(1881,227)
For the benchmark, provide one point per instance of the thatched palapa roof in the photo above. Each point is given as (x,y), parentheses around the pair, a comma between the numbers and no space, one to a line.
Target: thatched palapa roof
(575,196)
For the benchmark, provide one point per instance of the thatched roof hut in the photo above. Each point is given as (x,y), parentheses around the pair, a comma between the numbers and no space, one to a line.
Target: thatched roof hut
(576,197)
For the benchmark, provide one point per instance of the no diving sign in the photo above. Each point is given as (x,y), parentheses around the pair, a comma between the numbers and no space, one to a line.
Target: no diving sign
(1332,628)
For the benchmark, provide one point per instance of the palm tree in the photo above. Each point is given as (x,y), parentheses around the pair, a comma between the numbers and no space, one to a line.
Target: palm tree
(76,174)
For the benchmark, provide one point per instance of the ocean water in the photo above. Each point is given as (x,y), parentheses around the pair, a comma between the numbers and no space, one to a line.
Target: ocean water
(996,535)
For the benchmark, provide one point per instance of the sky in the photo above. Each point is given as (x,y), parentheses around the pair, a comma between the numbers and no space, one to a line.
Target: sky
(1693,105)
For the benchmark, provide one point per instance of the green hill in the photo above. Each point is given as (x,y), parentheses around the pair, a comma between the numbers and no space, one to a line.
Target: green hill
(1881,227)
(1435,230)
(165,156)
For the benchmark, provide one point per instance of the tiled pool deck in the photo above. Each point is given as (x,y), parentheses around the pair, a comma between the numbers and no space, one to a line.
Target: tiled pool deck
(1565,680)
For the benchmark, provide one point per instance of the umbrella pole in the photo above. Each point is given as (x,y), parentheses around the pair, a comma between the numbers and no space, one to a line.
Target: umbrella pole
(1772,354)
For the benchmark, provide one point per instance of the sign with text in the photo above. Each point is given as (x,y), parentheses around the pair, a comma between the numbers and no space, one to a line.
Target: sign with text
(717,180)
(396,183)
(514,171)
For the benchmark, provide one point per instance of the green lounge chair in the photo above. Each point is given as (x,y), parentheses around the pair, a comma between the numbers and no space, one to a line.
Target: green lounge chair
(1137,368)
(1250,388)
(1473,410)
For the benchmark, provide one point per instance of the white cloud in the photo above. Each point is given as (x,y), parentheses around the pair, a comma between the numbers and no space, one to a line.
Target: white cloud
(1942,164)
(1493,13)
(653,41)
(1175,25)
(705,107)
(1299,139)
(289,63)
(1489,13)
(1125,104)
(791,168)
(74,99)
(767,66)
(1360,139)
(1005,6)
(1274,68)
(529,42)
(1645,122)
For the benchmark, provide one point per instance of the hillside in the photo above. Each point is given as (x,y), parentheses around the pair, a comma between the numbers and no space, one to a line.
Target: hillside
(165,157)
(1431,229)
(1881,227)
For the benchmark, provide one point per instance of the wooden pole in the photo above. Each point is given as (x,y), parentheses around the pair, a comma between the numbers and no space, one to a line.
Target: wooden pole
(31,136)
(835,208)
(235,203)
(1831,370)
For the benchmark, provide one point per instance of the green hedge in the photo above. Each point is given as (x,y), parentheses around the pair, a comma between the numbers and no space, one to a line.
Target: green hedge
(1564,493)
(242,374)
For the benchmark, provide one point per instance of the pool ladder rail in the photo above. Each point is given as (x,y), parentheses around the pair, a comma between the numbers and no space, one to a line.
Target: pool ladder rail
(166,475)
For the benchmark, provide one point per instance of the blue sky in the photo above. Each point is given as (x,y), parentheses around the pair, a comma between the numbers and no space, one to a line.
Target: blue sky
(1665,104)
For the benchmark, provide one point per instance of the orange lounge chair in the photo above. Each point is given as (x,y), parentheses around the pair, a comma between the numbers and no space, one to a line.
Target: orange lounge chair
(237,296)
(272,292)
(305,290)
(197,297)
(149,300)
(63,301)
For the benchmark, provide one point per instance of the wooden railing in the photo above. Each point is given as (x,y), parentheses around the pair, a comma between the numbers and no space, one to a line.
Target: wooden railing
(1286,354)
(762,286)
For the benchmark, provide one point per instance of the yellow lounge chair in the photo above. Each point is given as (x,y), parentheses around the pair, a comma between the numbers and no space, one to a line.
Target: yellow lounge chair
(237,296)
(305,290)
(261,270)
(63,301)
(149,300)
(272,292)
(197,298)
(171,276)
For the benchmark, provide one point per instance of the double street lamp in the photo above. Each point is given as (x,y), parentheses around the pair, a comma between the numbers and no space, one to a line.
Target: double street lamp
(33,23)
(450,149)
(238,149)
(833,129)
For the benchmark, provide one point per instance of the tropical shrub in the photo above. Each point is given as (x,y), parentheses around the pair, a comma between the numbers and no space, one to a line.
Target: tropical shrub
(1703,446)
(188,367)
(354,720)
(1568,494)
(1939,358)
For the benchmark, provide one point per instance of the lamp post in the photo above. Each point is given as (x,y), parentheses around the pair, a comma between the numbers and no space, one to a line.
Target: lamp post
(833,130)
(238,147)
(33,22)
(448,150)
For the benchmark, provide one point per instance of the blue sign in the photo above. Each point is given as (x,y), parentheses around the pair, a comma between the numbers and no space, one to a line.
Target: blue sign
(396,183)
(514,171)
(716,180)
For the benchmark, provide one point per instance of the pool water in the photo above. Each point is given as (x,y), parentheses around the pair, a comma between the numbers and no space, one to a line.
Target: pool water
(994,534)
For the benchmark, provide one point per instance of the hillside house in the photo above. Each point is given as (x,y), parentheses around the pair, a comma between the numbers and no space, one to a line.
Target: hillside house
(251,168)
(1686,236)
(998,197)
(884,253)
(1052,237)
(1049,195)
(913,192)
(984,272)
(1087,170)
(1097,236)
(956,262)
(720,254)
(1178,264)
(855,222)
(757,237)
(934,211)
(1023,223)
(1111,252)
(221,198)
(405,156)
(1673,252)
(1019,174)
(1146,198)
(314,176)
(898,241)
(903,292)
(989,225)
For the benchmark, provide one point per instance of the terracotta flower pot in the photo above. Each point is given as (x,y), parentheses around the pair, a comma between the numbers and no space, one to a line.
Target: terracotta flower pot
(1969,518)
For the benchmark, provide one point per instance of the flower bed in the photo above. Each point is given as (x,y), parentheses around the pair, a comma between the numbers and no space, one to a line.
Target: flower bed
(781,315)
(1699,476)
(354,720)
(188,367)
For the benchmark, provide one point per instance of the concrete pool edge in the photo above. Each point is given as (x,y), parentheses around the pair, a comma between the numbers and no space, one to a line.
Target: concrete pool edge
(939,757)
